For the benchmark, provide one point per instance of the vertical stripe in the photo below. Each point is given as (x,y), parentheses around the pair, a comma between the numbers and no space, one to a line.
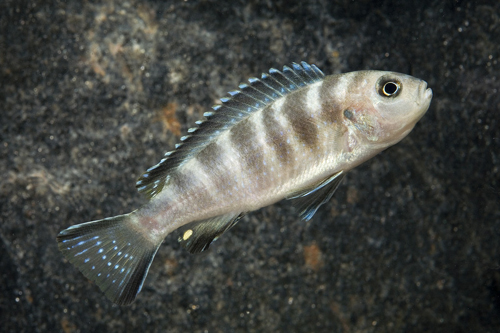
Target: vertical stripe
(300,119)
(331,100)
(209,163)
(244,142)
(358,81)
(276,132)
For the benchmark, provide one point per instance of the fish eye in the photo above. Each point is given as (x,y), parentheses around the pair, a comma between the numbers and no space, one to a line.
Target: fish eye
(389,87)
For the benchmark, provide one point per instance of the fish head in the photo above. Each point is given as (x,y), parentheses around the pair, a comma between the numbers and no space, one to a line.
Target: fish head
(385,107)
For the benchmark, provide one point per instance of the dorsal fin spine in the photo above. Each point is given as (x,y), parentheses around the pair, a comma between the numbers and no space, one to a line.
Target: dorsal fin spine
(292,76)
(309,71)
(267,98)
(248,110)
(252,97)
(266,77)
(318,71)
(283,82)
(301,73)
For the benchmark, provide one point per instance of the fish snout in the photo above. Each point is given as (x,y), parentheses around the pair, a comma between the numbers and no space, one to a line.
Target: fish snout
(425,92)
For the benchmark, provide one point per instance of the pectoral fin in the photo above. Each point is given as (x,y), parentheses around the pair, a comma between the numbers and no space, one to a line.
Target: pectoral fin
(311,198)
(200,235)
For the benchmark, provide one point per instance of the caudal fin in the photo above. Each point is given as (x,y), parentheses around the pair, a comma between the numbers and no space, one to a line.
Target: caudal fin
(112,253)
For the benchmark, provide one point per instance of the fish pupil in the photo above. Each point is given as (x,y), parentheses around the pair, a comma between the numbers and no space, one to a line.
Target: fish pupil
(390,88)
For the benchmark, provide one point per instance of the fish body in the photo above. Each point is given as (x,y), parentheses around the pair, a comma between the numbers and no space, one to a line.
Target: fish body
(292,134)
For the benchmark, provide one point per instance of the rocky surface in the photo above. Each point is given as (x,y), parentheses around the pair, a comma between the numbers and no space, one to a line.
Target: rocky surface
(92,94)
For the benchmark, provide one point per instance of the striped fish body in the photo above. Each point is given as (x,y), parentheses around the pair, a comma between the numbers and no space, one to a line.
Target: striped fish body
(283,147)
(291,134)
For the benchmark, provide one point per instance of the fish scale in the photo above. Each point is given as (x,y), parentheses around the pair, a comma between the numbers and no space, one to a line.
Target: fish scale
(292,134)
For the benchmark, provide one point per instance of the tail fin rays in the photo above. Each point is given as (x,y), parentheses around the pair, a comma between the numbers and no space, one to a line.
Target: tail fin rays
(112,253)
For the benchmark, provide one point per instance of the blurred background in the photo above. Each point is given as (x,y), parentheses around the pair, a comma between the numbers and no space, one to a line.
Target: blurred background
(93,93)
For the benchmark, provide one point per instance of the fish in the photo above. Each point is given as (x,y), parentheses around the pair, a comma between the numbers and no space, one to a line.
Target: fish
(290,134)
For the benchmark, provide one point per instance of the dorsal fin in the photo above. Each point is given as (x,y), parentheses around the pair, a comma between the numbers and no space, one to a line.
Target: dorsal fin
(249,98)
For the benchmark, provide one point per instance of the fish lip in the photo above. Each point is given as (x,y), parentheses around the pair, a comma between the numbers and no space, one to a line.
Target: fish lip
(428,93)
(424,91)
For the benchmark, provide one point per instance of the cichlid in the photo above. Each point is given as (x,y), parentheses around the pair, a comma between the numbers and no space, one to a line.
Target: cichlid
(291,134)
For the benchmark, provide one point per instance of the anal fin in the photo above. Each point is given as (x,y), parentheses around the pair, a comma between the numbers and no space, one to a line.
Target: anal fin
(311,198)
(198,237)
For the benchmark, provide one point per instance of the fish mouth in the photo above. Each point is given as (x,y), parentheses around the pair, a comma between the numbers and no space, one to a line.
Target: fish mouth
(423,100)
(425,92)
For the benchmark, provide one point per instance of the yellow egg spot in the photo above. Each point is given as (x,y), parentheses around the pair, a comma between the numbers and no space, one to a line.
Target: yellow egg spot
(187,234)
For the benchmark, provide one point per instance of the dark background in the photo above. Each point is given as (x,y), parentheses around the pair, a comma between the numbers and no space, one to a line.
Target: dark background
(92,94)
